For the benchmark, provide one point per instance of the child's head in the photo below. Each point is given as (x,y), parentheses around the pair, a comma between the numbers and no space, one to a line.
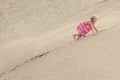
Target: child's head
(94,19)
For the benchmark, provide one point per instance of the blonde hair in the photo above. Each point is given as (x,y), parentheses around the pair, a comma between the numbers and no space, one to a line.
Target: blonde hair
(94,17)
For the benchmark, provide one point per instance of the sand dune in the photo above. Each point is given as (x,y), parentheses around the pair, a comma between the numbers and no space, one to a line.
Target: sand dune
(31,28)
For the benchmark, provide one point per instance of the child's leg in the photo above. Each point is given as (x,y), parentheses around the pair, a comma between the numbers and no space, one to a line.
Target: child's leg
(74,36)
(78,36)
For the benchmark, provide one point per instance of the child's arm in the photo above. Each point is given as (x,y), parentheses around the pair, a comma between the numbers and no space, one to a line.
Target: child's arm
(92,32)
(95,28)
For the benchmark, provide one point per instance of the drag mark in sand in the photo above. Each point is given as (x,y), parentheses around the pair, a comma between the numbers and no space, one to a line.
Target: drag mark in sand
(25,62)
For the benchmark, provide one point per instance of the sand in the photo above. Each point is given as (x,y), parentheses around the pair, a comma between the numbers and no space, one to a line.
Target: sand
(36,40)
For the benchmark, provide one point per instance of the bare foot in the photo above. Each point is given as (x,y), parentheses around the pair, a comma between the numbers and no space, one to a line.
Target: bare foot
(74,37)
(78,37)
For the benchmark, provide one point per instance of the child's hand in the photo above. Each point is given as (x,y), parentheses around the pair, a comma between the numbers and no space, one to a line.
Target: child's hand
(97,31)
(93,34)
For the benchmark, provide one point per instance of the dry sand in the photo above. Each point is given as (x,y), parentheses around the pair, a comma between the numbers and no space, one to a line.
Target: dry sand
(36,41)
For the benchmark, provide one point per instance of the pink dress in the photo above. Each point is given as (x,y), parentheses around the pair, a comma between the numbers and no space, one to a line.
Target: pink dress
(84,27)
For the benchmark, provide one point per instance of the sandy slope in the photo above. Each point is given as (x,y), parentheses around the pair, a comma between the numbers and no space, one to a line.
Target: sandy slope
(93,58)
(30,28)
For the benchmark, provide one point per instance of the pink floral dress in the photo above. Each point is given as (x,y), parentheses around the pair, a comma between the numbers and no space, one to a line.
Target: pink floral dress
(84,27)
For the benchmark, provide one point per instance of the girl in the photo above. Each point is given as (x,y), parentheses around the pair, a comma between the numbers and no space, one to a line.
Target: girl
(86,26)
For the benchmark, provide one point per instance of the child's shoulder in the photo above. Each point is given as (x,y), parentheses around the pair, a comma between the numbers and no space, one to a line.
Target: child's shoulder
(86,21)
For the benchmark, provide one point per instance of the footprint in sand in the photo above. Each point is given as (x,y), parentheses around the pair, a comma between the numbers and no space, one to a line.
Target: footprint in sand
(102,1)
(1,18)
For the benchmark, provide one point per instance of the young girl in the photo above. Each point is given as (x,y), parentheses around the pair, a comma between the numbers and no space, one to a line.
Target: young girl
(86,26)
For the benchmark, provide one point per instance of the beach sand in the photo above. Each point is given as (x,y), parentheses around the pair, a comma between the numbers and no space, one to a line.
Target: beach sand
(36,40)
